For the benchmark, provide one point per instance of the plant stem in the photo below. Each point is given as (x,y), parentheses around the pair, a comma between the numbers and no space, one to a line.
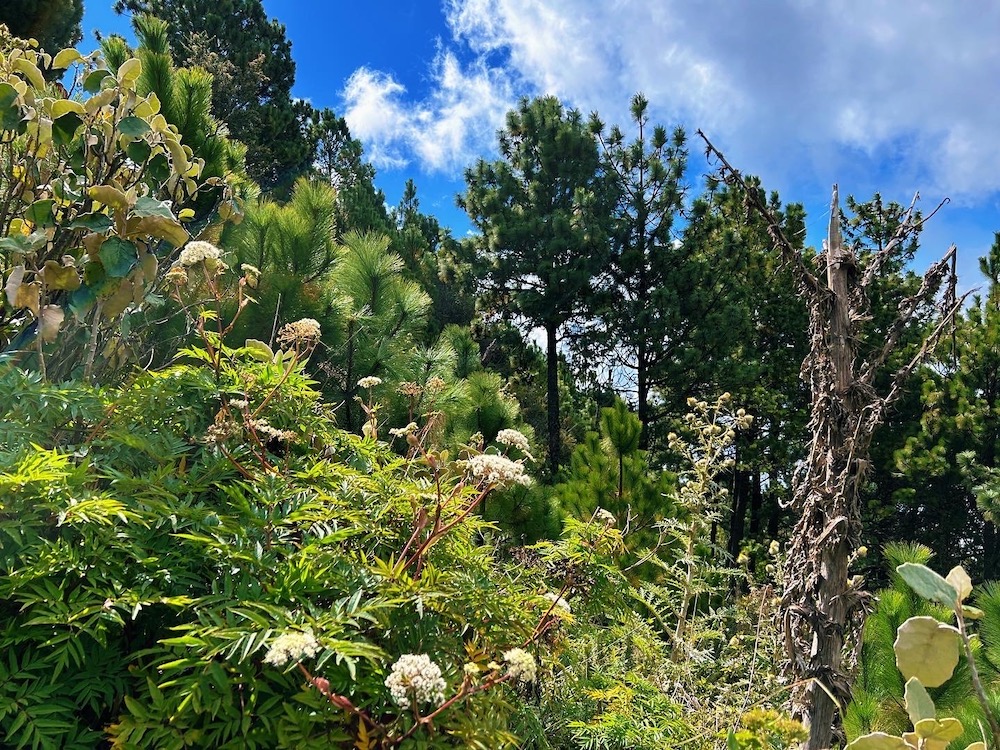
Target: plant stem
(977,683)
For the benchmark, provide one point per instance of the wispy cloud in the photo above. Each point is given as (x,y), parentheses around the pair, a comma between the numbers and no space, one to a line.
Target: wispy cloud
(444,131)
(796,88)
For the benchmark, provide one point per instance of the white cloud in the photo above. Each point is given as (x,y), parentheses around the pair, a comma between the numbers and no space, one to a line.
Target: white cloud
(445,131)
(798,91)
(376,115)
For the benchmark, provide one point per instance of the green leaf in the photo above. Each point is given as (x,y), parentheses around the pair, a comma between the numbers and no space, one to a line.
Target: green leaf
(919,705)
(258,350)
(118,256)
(40,212)
(18,243)
(95,222)
(138,151)
(92,83)
(928,584)
(10,112)
(148,206)
(64,128)
(133,127)
(81,300)
(926,649)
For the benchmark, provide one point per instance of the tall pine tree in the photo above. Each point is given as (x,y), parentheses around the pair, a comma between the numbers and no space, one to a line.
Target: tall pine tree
(542,212)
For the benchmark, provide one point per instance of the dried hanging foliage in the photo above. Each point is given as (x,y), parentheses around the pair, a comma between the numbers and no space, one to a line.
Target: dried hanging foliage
(823,610)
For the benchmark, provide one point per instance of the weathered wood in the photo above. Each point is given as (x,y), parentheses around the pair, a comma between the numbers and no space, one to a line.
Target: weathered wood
(822,610)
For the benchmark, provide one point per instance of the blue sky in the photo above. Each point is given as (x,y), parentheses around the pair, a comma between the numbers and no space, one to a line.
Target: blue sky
(891,95)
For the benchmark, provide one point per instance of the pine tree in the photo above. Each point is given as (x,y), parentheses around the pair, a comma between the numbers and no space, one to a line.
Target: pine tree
(55,24)
(250,59)
(638,291)
(542,210)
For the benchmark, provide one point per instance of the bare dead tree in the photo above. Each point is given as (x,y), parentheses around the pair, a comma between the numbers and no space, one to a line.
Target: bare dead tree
(823,610)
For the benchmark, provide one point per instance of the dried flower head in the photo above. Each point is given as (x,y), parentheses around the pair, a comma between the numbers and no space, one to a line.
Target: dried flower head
(409,389)
(521,665)
(291,646)
(435,385)
(605,517)
(305,332)
(199,251)
(177,275)
(415,677)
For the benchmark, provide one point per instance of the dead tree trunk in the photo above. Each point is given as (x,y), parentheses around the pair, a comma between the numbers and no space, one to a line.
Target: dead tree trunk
(822,608)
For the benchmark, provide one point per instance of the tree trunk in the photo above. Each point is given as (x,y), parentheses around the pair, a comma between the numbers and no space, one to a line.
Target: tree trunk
(827,494)
(642,393)
(552,397)
(737,518)
(756,502)
(821,612)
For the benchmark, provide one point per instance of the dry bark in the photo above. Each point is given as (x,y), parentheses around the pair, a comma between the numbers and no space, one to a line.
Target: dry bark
(823,608)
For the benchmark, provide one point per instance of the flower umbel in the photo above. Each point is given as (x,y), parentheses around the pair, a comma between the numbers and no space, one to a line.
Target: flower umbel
(520,665)
(291,646)
(370,382)
(493,469)
(198,251)
(415,677)
(515,439)
(558,602)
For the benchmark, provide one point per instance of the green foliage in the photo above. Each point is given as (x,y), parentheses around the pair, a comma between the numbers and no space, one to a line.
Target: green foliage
(54,24)
(91,191)
(609,473)
(926,653)
(542,213)
(250,61)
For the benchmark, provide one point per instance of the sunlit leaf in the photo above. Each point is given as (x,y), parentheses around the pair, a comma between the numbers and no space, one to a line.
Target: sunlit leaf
(960,581)
(919,705)
(50,320)
(928,584)
(58,276)
(927,649)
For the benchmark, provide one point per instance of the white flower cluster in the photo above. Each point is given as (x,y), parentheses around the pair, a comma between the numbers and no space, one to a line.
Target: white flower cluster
(197,251)
(370,382)
(558,601)
(291,646)
(266,431)
(513,438)
(520,665)
(305,331)
(493,469)
(415,676)
(410,429)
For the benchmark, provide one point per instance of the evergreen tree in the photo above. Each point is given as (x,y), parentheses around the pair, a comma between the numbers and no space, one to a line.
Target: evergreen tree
(542,210)
(941,470)
(639,284)
(55,24)
(250,60)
